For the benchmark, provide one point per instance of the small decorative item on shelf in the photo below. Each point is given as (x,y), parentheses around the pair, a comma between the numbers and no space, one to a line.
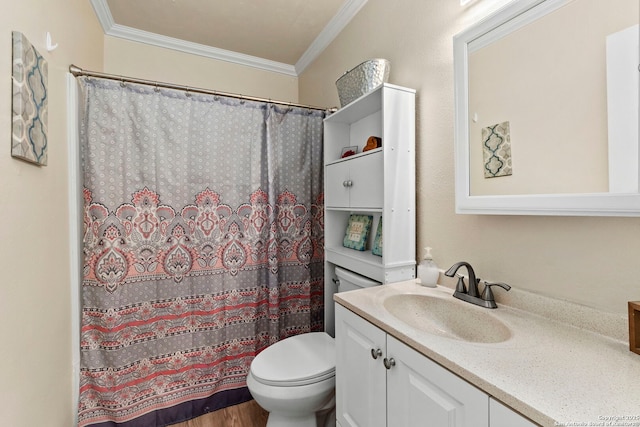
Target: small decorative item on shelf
(349,151)
(377,242)
(372,142)
(357,232)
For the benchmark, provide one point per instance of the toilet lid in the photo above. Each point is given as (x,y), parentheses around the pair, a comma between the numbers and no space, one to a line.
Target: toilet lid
(297,360)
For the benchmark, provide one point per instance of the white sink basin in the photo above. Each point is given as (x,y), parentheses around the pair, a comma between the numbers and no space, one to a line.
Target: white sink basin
(447,317)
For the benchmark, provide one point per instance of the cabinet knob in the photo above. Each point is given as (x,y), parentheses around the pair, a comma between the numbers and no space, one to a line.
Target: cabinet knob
(376,353)
(388,363)
(345,183)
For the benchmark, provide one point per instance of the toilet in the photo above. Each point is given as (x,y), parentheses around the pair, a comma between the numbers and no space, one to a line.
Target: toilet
(294,379)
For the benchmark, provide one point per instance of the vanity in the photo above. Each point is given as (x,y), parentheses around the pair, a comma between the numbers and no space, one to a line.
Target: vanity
(403,361)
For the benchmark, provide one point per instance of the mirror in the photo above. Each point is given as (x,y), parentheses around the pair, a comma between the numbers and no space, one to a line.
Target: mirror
(547,110)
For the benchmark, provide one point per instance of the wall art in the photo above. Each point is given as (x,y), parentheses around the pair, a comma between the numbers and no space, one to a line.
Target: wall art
(377,241)
(357,232)
(29,102)
(496,147)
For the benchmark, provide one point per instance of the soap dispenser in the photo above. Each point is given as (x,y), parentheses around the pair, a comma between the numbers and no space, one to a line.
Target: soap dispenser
(428,271)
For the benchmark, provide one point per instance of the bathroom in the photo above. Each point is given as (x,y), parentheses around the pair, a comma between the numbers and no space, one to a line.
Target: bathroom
(588,260)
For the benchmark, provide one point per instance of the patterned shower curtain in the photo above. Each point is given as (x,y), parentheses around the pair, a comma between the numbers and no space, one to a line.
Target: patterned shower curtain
(203,244)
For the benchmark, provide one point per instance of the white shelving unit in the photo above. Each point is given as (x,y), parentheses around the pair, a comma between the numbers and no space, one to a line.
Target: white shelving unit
(378,182)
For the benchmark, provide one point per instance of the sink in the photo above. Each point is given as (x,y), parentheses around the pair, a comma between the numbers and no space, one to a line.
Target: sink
(447,318)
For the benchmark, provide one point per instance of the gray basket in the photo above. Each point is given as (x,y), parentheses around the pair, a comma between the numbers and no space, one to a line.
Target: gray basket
(362,79)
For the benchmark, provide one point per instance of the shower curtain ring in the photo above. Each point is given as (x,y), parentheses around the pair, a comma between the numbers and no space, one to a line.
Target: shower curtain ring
(187,93)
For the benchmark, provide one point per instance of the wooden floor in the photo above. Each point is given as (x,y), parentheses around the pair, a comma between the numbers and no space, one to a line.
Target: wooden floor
(247,414)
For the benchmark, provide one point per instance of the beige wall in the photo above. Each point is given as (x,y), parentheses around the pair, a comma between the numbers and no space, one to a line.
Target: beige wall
(35,313)
(124,58)
(592,261)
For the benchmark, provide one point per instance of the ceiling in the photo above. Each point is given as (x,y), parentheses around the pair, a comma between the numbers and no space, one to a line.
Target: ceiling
(282,36)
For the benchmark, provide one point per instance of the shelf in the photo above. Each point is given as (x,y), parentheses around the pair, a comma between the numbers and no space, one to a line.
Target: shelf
(362,256)
(362,262)
(355,210)
(370,265)
(355,156)
(365,105)
(361,107)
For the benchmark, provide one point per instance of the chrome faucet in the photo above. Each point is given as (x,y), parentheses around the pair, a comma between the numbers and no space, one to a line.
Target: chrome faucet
(472,295)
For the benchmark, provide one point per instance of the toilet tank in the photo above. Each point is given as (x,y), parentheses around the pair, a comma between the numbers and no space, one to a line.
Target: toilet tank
(350,281)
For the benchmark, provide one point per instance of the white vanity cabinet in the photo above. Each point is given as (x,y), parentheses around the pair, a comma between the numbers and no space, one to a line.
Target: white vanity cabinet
(379,182)
(503,416)
(399,387)
(361,385)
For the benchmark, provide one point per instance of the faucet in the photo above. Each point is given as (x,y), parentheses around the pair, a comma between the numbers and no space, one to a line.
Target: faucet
(472,295)
(473,282)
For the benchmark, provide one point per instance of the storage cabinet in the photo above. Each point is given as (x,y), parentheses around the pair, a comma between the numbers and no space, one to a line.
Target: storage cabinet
(356,183)
(380,381)
(378,182)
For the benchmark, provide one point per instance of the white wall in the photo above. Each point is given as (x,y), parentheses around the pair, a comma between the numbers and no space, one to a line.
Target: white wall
(35,313)
(591,261)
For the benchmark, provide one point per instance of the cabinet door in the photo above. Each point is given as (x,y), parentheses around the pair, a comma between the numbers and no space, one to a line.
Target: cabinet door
(422,393)
(337,187)
(503,416)
(367,181)
(360,379)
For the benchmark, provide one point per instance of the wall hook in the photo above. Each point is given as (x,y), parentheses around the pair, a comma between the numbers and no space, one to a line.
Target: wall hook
(50,45)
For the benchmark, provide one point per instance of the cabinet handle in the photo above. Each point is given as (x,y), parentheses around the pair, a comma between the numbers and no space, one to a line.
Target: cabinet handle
(376,353)
(388,363)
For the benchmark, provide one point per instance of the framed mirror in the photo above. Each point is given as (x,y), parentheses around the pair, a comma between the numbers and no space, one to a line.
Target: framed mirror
(546,97)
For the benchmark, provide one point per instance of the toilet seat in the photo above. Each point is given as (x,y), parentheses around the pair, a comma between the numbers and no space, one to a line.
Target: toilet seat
(298,360)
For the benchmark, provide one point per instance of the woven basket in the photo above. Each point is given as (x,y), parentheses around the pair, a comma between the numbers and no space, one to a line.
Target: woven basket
(362,79)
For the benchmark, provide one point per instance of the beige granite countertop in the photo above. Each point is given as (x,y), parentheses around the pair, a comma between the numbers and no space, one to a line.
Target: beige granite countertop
(553,372)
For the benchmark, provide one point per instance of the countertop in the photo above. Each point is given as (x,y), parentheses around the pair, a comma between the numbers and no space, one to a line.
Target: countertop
(552,372)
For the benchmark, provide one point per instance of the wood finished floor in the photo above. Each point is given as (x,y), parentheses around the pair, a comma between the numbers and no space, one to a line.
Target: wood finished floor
(248,414)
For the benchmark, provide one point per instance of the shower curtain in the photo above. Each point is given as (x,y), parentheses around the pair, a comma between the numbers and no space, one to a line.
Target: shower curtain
(203,244)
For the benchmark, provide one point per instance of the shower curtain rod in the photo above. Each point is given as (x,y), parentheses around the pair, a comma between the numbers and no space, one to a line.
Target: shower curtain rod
(77,71)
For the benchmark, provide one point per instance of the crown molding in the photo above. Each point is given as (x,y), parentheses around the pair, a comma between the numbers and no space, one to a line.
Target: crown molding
(159,40)
(110,28)
(348,10)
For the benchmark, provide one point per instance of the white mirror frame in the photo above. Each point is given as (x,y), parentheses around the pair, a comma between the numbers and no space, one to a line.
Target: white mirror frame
(587,204)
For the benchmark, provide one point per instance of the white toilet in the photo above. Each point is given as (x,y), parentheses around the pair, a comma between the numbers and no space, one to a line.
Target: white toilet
(294,379)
